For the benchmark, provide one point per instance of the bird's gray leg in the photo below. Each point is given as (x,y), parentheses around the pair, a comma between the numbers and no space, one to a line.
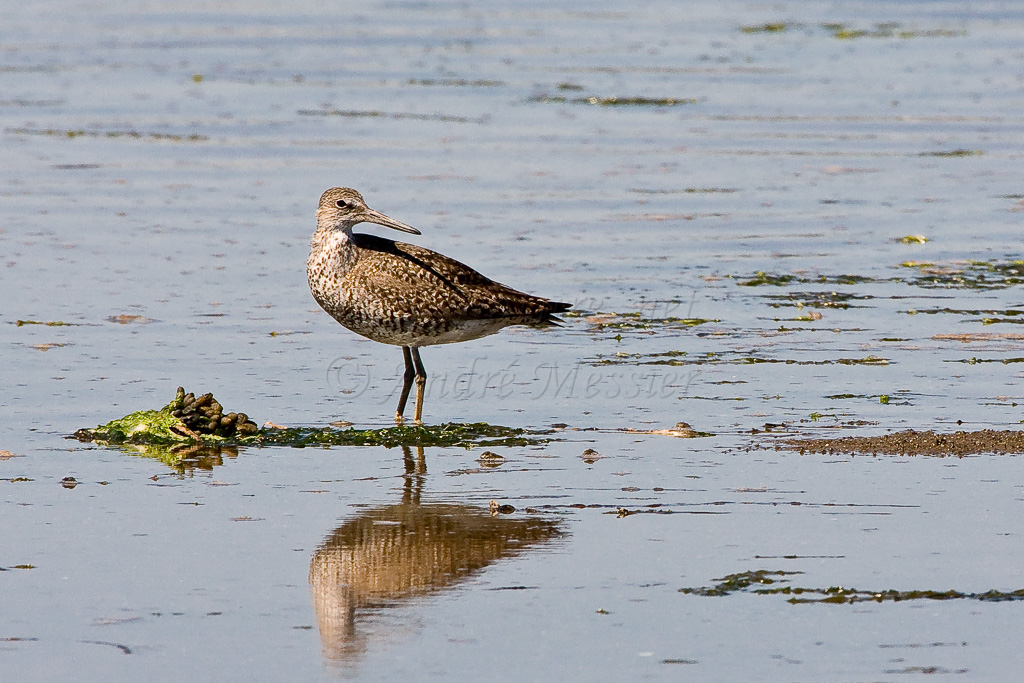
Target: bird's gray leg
(421,383)
(410,373)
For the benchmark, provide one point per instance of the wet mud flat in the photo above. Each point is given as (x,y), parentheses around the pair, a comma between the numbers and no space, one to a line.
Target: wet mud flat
(913,442)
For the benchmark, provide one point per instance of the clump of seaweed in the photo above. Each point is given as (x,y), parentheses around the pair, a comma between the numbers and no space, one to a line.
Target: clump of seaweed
(190,421)
(205,415)
(889,29)
(187,418)
(616,101)
(131,134)
(449,434)
(962,274)
(766,580)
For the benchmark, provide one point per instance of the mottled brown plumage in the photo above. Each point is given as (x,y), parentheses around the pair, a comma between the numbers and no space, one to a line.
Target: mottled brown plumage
(402,294)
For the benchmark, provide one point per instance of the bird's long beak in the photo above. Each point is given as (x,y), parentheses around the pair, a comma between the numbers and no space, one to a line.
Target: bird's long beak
(371,216)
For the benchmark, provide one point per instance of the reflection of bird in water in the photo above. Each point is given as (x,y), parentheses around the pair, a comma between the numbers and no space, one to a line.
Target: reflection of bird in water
(401,294)
(393,553)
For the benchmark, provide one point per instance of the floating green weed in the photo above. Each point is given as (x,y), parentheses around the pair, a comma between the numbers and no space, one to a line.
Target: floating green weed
(887,30)
(161,429)
(840,31)
(686,190)
(828,299)
(450,434)
(615,101)
(967,275)
(993,321)
(774,27)
(989,316)
(730,358)
(377,114)
(638,101)
(456,82)
(48,323)
(763,582)
(1008,312)
(733,583)
(953,153)
(971,274)
(640,321)
(131,134)
(763,278)
(149,427)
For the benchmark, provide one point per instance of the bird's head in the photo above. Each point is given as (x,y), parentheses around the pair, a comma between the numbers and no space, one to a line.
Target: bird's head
(342,207)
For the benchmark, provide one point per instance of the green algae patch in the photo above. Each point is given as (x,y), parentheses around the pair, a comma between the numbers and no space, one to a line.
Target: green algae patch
(639,320)
(378,114)
(456,82)
(966,274)
(147,427)
(889,29)
(48,323)
(828,299)
(774,279)
(739,582)
(186,419)
(189,426)
(616,101)
(767,582)
(130,134)
(953,153)
(685,190)
(679,358)
(772,27)
(450,434)
(989,315)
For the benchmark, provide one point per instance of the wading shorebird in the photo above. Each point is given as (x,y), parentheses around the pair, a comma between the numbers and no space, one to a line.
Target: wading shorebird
(401,294)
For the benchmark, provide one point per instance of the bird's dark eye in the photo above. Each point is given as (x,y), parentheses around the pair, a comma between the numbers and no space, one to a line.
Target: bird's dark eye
(341,204)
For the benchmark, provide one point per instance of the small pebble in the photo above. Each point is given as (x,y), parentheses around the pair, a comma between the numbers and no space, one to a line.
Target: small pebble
(490,459)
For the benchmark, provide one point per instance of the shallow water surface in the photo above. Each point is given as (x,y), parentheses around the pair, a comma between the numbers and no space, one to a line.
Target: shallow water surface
(772,220)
